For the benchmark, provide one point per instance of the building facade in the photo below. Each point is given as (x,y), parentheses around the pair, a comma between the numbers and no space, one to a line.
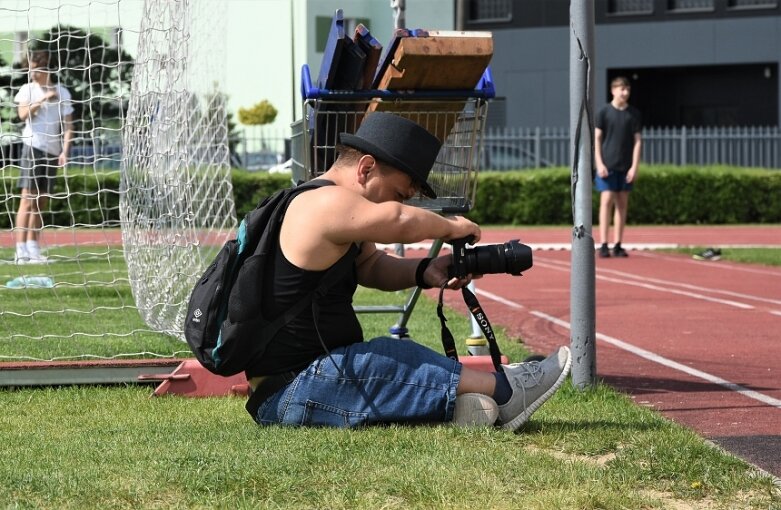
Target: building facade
(691,62)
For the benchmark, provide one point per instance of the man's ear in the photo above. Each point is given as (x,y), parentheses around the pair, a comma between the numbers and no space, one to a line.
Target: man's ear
(365,165)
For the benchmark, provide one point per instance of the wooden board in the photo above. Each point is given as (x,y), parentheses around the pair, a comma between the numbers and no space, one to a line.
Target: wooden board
(439,61)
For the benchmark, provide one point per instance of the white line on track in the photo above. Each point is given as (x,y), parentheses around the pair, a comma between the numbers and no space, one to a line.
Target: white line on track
(650,356)
(649,286)
(673,283)
(647,355)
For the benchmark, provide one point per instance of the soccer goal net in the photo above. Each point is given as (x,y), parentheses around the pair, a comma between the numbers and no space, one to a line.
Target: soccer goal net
(116,189)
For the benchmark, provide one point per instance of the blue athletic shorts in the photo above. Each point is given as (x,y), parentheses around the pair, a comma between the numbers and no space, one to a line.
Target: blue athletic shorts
(385,380)
(615,181)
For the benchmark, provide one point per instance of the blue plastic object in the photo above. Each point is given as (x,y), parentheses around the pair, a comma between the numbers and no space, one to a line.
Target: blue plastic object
(30,282)
(485,90)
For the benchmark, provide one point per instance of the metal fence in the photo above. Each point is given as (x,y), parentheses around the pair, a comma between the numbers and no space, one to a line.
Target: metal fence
(522,148)
(513,148)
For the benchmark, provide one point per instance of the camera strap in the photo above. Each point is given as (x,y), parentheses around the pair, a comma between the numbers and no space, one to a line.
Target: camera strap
(449,344)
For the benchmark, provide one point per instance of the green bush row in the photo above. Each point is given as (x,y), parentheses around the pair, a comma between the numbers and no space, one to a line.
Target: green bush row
(662,195)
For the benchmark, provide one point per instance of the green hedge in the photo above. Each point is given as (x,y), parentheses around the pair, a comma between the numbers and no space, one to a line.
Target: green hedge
(78,199)
(662,195)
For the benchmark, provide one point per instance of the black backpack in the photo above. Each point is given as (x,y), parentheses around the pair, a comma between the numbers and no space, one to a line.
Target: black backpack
(224,325)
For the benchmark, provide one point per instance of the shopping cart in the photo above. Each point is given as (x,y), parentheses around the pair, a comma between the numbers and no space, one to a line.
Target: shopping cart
(456,117)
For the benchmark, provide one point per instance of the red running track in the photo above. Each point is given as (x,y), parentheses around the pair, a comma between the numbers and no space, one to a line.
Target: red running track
(698,341)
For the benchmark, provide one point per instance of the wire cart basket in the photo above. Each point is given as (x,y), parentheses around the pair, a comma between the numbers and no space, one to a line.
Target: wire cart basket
(456,117)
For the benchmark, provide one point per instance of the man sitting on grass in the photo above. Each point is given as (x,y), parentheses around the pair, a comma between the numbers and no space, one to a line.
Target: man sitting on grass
(318,370)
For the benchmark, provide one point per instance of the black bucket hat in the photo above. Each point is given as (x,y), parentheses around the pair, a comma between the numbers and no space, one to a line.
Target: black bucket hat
(399,142)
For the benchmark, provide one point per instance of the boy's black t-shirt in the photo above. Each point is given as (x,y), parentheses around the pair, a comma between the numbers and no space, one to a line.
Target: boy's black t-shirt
(618,135)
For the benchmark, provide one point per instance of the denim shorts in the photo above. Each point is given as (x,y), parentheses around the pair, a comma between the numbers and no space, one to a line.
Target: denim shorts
(615,181)
(38,169)
(385,380)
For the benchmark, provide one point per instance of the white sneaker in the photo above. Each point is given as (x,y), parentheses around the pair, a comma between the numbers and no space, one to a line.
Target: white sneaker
(533,383)
(475,410)
(37,259)
(21,260)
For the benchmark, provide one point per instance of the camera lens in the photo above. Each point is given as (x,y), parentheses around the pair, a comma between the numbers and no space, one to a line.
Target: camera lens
(511,257)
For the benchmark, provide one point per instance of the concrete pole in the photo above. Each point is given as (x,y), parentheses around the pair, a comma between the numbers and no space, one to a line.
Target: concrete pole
(582,279)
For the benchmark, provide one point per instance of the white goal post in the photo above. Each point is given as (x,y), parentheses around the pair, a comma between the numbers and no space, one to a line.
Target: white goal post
(145,199)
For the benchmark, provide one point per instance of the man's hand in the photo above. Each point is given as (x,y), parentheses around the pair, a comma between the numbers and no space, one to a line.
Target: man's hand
(630,175)
(602,170)
(436,274)
(463,228)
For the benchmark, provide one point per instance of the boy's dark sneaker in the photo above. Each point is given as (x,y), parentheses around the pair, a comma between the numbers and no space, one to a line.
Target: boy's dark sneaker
(618,251)
(709,254)
(604,252)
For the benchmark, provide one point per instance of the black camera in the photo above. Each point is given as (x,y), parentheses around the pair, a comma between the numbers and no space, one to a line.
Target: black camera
(511,257)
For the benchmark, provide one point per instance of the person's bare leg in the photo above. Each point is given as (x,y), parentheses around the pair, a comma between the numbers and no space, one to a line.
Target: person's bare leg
(35,223)
(475,405)
(23,217)
(619,218)
(606,199)
(476,381)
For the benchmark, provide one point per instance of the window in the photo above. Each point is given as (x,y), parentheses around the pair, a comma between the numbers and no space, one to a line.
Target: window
(690,5)
(623,7)
(752,4)
(490,11)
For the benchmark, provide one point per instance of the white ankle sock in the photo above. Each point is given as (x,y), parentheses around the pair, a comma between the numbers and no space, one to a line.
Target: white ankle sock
(33,249)
(21,249)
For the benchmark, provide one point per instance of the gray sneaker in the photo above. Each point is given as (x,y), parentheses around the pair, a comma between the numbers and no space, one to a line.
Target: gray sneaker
(533,383)
(475,410)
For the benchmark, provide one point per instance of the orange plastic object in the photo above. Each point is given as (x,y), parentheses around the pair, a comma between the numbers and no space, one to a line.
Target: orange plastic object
(190,379)
(481,362)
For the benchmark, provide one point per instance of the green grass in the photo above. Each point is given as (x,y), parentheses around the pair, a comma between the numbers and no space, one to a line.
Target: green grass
(115,447)
(765,256)
(91,297)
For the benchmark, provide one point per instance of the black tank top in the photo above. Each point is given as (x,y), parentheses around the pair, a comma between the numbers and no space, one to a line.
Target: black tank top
(297,344)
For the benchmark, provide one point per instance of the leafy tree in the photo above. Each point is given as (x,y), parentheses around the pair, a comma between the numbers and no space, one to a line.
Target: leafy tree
(97,76)
(258,114)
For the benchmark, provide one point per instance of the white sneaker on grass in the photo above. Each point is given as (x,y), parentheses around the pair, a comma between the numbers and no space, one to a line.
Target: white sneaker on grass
(475,410)
(533,383)
(21,259)
(37,259)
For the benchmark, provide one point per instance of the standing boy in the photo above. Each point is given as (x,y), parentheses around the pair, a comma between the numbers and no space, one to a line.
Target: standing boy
(45,107)
(617,152)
